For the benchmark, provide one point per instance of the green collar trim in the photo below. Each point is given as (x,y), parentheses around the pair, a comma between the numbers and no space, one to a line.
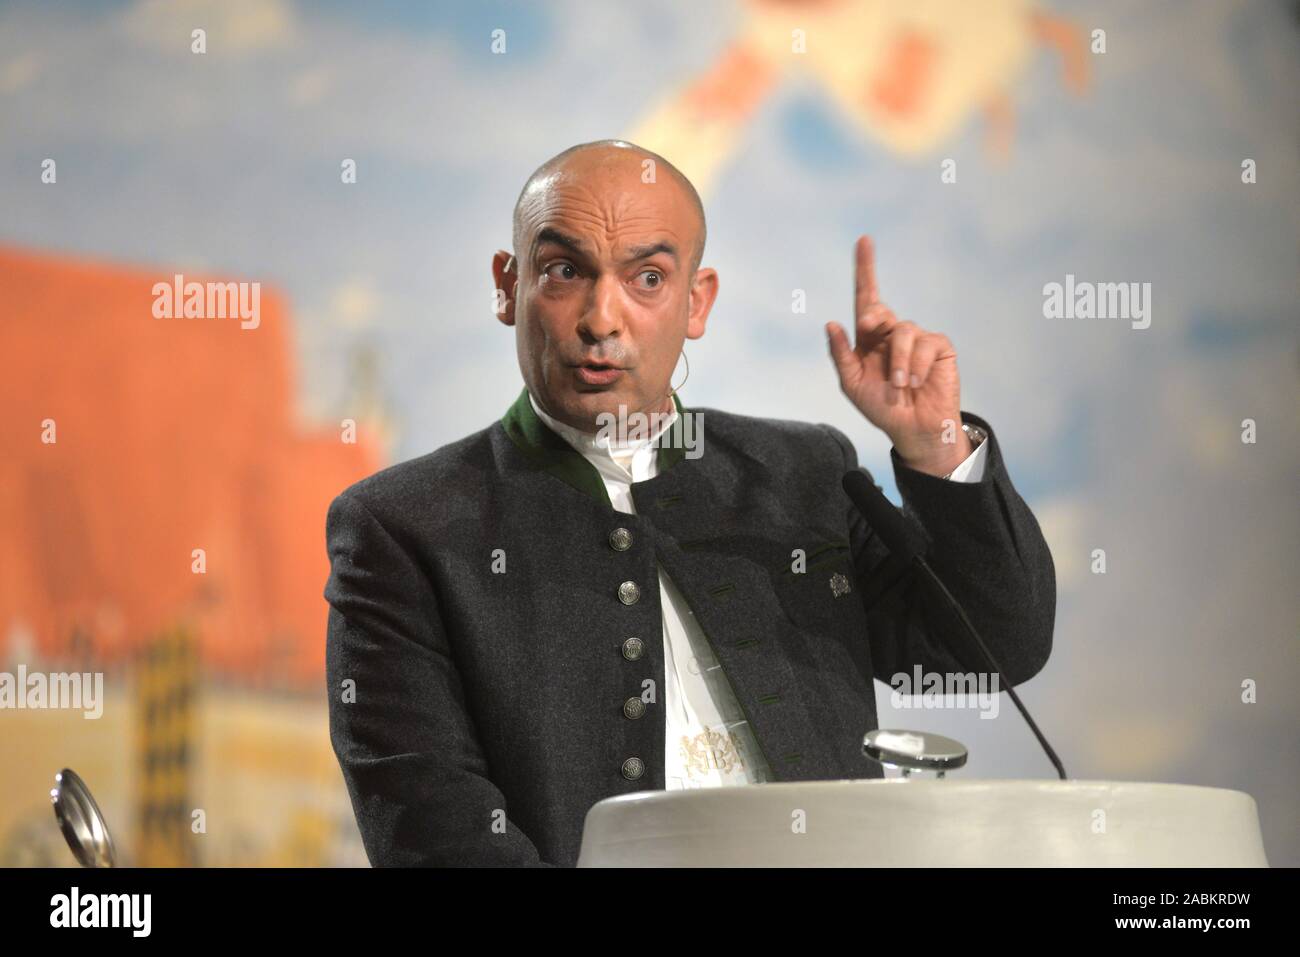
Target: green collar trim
(549,453)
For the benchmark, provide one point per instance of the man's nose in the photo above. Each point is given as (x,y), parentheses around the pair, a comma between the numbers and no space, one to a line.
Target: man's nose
(604,314)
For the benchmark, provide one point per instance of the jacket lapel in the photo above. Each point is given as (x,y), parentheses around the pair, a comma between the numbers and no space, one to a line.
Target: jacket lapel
(547,452)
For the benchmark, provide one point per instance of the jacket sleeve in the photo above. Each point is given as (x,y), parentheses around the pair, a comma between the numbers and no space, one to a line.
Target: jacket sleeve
(985,545)
(399,725)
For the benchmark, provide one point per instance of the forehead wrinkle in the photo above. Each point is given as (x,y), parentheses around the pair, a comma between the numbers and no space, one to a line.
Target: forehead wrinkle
(652,228)
(607,216)
(610,209)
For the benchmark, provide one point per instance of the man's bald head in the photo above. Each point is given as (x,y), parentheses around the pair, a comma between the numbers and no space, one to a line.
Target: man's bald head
(605,284)
(600,152)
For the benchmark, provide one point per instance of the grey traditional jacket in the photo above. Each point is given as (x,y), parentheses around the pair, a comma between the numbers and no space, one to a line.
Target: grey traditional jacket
(477,653)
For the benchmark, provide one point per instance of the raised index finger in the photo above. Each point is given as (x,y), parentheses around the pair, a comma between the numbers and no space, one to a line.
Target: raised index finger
(864,277)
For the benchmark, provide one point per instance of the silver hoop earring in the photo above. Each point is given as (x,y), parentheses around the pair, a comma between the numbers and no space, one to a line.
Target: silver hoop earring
(673,391)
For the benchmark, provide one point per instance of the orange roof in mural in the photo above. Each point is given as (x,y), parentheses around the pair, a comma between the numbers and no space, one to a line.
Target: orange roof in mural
(171,435)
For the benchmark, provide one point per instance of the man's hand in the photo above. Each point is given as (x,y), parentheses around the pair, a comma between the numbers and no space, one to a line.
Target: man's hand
(902,378)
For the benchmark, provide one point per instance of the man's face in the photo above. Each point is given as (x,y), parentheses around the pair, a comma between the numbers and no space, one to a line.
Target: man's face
(603,294)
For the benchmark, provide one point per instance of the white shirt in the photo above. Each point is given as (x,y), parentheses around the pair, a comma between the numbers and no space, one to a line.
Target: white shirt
(707,741)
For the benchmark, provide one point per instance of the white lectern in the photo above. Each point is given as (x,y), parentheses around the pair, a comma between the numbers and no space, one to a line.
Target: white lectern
(899,822)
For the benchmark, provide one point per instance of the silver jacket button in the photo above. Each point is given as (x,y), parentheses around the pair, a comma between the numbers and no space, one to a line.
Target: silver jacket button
(620,539)
(633,768)
(633,648)
(633,708)
(628,593)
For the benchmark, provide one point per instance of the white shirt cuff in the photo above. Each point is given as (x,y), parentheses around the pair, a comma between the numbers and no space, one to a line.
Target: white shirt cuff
(972,469)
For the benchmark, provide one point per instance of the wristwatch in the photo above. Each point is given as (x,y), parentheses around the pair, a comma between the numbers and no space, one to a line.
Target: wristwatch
(976,436)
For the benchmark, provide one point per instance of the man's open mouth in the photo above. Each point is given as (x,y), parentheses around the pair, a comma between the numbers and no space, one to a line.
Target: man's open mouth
(598,373)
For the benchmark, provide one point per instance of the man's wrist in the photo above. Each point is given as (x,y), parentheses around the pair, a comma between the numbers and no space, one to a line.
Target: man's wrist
(939,458)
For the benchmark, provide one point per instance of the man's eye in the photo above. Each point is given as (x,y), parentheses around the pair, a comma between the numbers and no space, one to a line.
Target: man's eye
(560,271)
(651,278)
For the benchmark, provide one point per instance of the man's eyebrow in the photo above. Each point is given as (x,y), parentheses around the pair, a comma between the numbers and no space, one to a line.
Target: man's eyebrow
(550,234)
(648,250)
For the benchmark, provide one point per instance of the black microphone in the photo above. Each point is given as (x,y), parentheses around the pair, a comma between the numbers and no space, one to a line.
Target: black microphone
(905,543)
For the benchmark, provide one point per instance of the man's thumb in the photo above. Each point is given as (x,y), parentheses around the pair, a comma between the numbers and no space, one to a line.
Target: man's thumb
(841,351)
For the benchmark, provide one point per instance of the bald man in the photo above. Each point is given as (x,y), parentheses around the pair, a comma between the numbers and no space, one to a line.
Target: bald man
(606,592)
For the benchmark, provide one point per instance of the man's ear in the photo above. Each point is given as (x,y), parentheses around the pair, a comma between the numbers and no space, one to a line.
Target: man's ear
(505,275)
(704,290)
